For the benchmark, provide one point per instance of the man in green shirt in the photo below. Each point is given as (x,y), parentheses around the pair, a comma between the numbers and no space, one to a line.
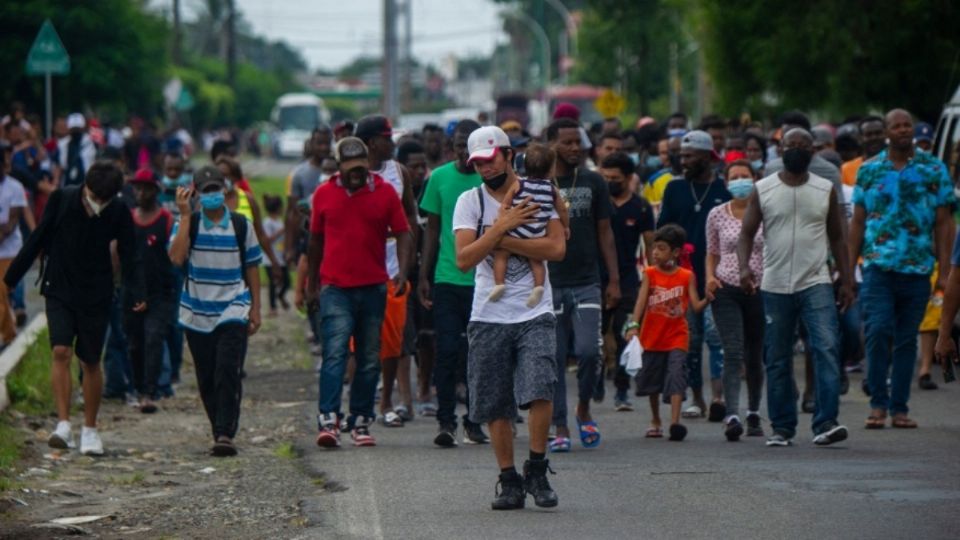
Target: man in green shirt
(452,293)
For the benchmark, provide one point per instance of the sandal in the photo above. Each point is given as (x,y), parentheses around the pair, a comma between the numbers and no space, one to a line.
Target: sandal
(693,411)
(654,432)
(902,422)
(589,433)
(392,419)
(403,412)
(427,408)
(559,445)
(875,421)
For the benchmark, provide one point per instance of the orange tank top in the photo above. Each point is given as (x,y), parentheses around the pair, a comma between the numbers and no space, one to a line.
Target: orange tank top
(665,322)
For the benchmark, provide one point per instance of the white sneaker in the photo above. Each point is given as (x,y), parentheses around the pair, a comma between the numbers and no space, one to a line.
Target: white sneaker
(90,443)
(61,437)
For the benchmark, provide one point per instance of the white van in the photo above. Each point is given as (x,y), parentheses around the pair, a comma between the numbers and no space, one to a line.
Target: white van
(296,116)
(948,136)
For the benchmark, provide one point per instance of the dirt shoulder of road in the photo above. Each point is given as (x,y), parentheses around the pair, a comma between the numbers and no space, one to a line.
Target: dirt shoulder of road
(157,479)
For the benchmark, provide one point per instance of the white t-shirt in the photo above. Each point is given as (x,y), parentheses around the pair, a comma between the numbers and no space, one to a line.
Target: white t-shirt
(271,227)
(512,306)
(11,196)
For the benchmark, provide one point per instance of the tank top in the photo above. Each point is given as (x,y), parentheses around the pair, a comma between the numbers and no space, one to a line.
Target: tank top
(795,233)
(665,319)
(243,205)
(391,173)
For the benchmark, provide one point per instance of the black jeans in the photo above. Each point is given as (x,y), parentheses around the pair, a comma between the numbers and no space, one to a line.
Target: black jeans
(146,333)
(451,313)
(277,290)
(613,320)
(218,357)
(740,321)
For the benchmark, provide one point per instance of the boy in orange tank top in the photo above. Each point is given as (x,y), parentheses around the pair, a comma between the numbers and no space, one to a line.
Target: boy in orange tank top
(660,316)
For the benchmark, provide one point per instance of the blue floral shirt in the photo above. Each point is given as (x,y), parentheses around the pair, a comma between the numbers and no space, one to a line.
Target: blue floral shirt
(901,209)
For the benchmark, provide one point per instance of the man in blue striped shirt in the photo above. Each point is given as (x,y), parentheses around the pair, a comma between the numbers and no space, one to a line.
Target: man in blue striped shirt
(220,304)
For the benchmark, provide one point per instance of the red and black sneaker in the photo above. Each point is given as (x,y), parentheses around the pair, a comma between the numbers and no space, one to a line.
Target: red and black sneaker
(361,432)
(329,435)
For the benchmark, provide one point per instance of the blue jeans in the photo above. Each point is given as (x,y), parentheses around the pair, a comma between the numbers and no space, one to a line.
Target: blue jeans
(893,305)
(345,313)
(117,367)
(18,297)
(578,311)
(816,308)
(712,336)
(702,328)
(851,329)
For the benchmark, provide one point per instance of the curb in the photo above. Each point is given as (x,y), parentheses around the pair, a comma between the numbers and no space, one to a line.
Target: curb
(12,355)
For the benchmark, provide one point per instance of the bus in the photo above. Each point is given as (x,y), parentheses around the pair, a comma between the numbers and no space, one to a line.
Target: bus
(296,116)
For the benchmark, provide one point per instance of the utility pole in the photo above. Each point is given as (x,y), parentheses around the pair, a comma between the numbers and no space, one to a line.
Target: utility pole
(407,54)
(177,34)
(230,29)
(390,71)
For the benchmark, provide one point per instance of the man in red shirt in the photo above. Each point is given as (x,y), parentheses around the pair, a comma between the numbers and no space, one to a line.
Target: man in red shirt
(353,215)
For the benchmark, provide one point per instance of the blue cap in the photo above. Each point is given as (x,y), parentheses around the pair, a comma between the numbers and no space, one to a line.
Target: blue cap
(923,132)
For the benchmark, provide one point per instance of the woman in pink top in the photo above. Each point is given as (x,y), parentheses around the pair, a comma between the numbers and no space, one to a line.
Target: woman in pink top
(739,317)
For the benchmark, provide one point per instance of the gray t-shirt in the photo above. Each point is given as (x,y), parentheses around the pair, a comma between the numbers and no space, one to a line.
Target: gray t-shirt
(818,166)
(306,178)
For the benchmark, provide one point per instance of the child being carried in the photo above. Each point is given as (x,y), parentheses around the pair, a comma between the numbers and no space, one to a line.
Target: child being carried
(537,188)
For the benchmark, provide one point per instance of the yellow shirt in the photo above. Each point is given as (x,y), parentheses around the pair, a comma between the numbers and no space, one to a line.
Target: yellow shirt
(653,190)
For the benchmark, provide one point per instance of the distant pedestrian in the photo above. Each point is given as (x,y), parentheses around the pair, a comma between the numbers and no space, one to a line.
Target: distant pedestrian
(275,233)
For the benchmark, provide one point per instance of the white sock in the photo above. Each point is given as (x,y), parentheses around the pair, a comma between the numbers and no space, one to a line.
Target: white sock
(731,417)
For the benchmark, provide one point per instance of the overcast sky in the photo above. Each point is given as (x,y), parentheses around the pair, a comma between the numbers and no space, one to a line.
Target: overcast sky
(331,33)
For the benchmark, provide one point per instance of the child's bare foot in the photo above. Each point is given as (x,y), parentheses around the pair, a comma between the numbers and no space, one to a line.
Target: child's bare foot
(497,292)
(535,296)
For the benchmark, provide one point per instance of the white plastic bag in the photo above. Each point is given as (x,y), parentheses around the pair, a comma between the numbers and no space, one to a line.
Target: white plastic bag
(632,357)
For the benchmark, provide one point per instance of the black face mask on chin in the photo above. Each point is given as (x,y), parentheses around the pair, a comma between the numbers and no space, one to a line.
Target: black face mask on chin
(797,160)
(616,188)
(496,182)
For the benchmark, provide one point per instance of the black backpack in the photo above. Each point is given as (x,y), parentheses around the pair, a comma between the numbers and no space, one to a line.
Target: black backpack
(239,230)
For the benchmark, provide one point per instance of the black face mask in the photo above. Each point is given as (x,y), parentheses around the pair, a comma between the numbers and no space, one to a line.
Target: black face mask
(616,188)
(797,160)
(496,182)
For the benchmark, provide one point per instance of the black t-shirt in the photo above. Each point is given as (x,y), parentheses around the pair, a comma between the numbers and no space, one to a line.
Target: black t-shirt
(629,222)
(679,206)
(589,201)
(151,242)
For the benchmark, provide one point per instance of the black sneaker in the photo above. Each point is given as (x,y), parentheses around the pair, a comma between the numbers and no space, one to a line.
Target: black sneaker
(778,439)
(754,427)
(473,434)
(509,492)
(733,430)
(678,432)
(831,433)
(446,436)
(808,405)
(717,412)
(535,482)
(925,382)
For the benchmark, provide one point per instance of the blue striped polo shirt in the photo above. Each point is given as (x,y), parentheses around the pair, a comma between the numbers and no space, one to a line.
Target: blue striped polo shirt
(215,291)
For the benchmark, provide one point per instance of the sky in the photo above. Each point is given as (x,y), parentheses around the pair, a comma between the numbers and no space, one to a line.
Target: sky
(331,33)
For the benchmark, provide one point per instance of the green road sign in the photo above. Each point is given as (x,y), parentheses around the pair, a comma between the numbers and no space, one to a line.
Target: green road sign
(47,55)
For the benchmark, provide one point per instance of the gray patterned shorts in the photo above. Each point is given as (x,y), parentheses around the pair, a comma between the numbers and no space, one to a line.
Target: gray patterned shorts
(510,365)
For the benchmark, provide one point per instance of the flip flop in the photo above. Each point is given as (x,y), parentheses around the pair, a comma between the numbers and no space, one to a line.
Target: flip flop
(392,419)
(693,411)
(403,413)
(559,445)
(589,433)
(654,433)
(902,422)
(427,408)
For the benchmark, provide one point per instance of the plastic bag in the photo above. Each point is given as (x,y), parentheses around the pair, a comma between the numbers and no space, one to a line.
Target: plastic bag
(632,357)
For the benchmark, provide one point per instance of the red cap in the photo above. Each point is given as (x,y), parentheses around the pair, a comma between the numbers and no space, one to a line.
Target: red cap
(566,110)
(145,176)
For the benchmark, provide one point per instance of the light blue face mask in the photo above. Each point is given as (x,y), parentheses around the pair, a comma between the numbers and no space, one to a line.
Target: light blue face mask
(635,158)
(757,165)
(211,201)
(653,162)
(172,183)
(741,188)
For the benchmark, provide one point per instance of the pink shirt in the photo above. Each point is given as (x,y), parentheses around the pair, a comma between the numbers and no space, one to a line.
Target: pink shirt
(723,233)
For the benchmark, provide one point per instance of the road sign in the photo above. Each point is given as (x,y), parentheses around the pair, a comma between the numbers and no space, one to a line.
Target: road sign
(47,55)
(610,103)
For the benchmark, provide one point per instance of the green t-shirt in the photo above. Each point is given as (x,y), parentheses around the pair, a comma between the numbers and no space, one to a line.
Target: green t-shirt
(440,196)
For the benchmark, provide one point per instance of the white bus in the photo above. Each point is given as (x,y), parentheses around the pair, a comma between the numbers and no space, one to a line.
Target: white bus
(296,115)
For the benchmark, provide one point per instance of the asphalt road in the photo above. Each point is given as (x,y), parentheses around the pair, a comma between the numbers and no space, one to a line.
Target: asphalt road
(878,484)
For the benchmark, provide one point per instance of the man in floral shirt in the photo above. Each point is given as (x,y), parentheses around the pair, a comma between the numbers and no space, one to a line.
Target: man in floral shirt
(901,224)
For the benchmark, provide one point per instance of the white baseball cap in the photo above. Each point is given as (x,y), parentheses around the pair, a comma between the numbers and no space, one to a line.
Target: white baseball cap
(484,143)
(76,120)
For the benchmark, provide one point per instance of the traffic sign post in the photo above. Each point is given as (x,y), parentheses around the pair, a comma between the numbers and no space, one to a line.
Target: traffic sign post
(48,57)
(610,103)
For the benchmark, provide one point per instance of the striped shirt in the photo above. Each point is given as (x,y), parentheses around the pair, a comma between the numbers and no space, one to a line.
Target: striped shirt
(215,291)
(540,191)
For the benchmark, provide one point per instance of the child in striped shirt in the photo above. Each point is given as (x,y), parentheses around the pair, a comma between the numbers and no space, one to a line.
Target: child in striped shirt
(539,188)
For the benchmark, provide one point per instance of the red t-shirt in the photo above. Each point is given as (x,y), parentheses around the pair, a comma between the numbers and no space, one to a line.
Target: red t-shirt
(355,227)
(665,320)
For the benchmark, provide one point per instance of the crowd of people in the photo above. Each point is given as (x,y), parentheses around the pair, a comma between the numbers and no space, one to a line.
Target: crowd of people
(495,262)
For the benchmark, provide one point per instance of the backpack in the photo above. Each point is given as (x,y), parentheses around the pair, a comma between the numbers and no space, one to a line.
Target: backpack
(239,230)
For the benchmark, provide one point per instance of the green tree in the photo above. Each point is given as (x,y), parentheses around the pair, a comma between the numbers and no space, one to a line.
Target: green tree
(837,57)
(118,61)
